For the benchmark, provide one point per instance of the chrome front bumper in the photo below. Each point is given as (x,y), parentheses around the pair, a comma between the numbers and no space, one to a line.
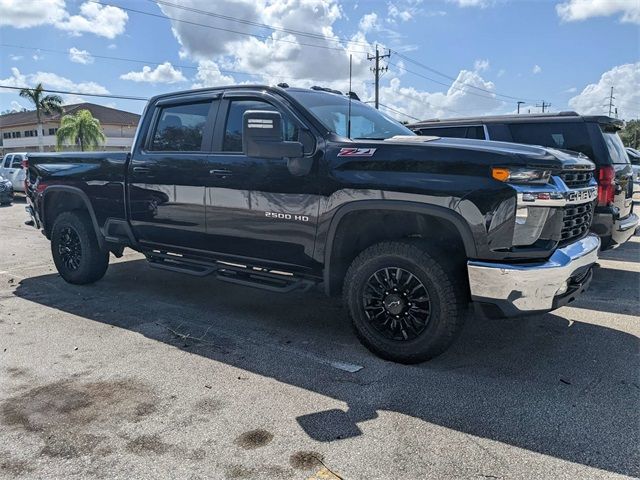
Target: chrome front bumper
(519,289)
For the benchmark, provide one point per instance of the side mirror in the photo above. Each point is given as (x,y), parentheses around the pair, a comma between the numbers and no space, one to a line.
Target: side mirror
(262,136)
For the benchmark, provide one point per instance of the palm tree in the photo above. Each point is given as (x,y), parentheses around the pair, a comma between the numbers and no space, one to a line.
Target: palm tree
(45,104)
(80,129)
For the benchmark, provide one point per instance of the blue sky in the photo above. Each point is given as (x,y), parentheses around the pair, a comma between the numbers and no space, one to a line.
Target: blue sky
(566,52)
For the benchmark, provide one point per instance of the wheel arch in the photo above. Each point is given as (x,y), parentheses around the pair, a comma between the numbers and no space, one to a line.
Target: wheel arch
(337,255)
(63,198)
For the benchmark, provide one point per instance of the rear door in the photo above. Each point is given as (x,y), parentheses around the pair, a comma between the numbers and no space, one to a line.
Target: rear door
(168,173)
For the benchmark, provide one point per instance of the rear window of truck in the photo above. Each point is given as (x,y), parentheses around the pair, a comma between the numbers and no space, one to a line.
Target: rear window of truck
(561,135)
(180,128)
(476,132)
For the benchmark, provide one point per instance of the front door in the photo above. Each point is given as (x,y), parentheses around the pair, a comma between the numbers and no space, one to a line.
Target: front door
(255,206)
(168,175)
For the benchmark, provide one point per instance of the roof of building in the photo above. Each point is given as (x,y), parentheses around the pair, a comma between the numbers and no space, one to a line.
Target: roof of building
(106,115)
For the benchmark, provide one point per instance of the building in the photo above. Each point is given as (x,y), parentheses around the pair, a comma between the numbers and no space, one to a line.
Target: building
(19,131)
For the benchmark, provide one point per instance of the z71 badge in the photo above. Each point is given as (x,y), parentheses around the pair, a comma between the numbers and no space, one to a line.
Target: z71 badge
(356,152)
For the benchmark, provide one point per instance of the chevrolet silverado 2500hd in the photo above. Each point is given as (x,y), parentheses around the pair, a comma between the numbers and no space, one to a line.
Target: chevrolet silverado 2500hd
(283,188)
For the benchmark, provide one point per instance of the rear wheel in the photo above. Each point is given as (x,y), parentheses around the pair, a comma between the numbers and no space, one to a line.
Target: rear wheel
(74,246)
(404,305)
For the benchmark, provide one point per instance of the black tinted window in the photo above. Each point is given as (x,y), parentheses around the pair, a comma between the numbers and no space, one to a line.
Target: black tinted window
(233,130)
(565,136)
(180,128)
(476,132)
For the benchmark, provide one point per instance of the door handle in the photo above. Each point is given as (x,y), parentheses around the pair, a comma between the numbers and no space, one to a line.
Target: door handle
(141,169)
(222,173)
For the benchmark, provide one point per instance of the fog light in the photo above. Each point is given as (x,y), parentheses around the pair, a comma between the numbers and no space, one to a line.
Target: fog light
(563,289)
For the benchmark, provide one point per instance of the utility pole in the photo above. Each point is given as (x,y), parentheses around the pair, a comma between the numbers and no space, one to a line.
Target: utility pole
(611,99)
(377,69)
(544,106)
(520,103)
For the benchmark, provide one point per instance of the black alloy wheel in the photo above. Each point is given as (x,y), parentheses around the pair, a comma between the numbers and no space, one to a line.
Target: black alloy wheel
(70,248)
(397,303)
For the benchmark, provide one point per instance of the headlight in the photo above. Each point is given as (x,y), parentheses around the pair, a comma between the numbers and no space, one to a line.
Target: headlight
(520,175)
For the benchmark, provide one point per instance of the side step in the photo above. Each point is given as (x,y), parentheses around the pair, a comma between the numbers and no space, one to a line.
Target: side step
(238,274)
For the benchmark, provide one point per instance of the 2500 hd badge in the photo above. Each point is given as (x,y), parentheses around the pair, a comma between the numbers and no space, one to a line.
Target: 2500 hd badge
(286,216)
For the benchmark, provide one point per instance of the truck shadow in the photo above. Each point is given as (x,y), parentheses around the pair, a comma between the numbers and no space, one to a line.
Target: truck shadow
(542,384)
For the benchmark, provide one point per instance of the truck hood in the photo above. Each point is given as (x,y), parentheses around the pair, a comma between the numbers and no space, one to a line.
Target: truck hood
(494,152)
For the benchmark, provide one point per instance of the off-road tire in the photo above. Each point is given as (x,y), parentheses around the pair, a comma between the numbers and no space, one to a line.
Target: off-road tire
(445,288)
(93,261)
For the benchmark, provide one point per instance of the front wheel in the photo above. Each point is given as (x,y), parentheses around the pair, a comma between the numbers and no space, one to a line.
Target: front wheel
(76,253)
(404,305)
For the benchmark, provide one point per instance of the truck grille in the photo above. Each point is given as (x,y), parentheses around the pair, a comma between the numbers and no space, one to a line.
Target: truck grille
(576,222)
(576,179)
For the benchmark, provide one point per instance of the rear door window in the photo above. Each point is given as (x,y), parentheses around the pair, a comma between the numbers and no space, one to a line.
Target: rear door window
(615,147)
(180,128)
(17,162)
(561,135)
(7,161)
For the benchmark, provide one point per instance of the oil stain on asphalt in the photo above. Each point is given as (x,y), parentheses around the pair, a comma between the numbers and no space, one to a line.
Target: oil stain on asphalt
(254,439)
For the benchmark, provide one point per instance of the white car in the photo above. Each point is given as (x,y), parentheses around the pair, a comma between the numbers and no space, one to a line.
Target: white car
(11,169)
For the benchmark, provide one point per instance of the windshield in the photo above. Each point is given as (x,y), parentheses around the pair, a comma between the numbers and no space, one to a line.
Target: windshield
(616,149)
(332,110)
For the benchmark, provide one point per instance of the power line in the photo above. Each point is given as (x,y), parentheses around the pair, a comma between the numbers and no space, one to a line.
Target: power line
(228,30)
(64,92)
(437,72)
(400,112)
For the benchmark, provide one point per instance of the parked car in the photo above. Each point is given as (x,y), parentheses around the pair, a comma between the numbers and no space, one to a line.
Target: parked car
(594,136)
(634,158)
(285,188)
(11,169)
(6,191)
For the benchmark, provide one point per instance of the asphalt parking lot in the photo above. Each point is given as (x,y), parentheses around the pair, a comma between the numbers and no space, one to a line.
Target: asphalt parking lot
(153,374)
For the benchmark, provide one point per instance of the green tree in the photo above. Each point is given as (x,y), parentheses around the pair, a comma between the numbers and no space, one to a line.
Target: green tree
(45,105)
(80,129)
(630,134)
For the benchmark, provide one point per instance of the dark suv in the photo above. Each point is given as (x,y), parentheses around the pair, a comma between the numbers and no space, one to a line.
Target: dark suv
(594,136)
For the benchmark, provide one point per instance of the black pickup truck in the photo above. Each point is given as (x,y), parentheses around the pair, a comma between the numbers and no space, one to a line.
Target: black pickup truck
(283,188)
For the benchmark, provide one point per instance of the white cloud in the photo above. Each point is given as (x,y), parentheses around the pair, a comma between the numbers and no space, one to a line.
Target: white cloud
(571,90)
(481,65)
(403,13)
(577,10)
(104,21)
(458,100)
(625,80)
(209,75)
(472,3)
(80,56)
(536,69)
(37,57)
(112,46)
(22,14)
(15,58)
(50,81)
(164,73)
(16,106)
(369,22)
(501,72)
